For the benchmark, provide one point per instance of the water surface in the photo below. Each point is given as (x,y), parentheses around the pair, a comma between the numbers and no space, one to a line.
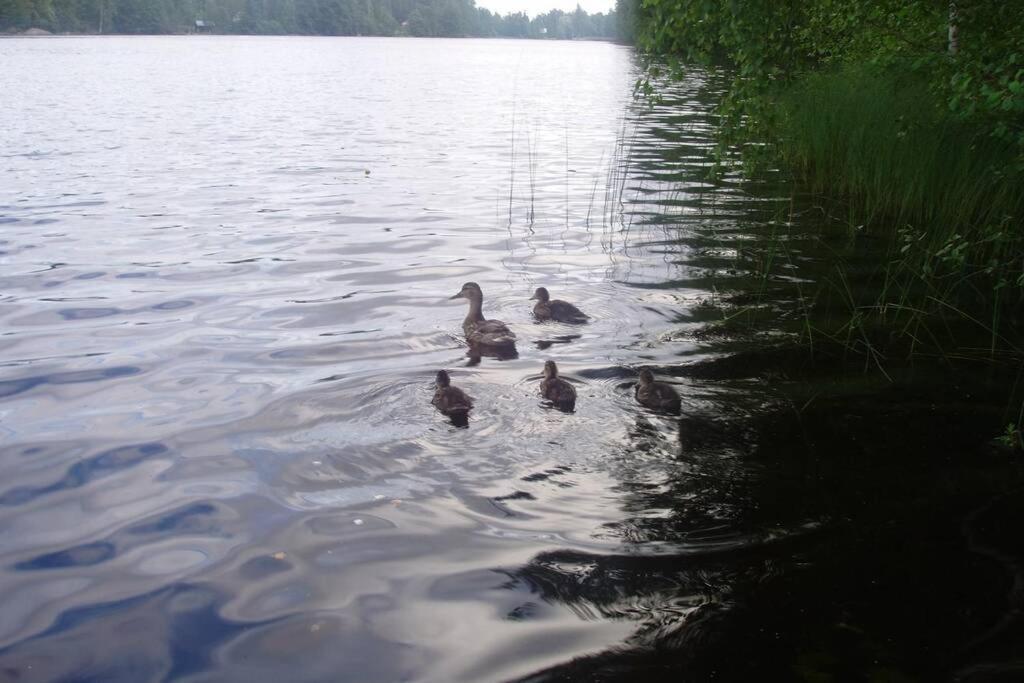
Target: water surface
(225,267)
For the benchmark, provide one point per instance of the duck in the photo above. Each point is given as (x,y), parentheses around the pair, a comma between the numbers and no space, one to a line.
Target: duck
(479,331)
(449,400)
(556,309)
(555,389)
(656,395)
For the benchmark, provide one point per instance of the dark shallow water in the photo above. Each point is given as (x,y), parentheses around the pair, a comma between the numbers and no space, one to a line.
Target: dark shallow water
(224,271)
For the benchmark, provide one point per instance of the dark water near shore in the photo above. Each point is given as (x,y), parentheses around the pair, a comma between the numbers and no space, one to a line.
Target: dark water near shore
(224,271)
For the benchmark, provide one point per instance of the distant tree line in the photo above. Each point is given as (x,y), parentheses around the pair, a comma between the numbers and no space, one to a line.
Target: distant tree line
(308,17)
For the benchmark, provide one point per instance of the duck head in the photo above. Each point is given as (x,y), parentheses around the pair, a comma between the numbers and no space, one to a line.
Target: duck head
(541,295)
(550,369)
(646,377)
(470,290)
(443,379)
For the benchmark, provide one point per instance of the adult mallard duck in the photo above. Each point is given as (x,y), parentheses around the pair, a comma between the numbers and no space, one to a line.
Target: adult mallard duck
(555,389)
(492,334)
(450,400)
(556,309)
(656,395)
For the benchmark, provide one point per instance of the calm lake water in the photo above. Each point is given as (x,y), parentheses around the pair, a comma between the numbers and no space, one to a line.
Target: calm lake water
(225,266)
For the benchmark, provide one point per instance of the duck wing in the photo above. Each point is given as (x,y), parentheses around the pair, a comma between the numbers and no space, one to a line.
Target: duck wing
(666,397)
(459,399)
(491,333)
(452,400)
(565,312)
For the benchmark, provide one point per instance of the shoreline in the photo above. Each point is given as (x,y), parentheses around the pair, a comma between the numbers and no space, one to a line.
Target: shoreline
(40,33)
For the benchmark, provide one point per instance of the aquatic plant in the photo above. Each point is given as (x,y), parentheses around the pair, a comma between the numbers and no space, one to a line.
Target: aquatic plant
(1011,438)
(884,159)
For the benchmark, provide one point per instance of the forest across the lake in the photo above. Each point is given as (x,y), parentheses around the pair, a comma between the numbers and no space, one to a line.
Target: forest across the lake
(421,18)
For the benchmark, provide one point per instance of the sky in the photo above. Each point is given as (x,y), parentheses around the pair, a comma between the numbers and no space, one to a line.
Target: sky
(535,7)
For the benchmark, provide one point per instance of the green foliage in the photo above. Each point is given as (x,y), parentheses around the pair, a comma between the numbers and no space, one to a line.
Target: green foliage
(876,106)
(986,79)
(1011,438)
(882,139)
(768,41)
(309,17)
(946,193)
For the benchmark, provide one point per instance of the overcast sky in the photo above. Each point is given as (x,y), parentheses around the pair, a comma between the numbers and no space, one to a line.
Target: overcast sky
(535,7)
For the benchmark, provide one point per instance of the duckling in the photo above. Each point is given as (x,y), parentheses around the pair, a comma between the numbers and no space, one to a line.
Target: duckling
(555,389)
(450,400)
(556,309)
(656,395)
(481,332)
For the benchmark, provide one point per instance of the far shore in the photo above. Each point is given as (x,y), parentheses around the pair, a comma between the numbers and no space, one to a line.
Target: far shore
(43,33)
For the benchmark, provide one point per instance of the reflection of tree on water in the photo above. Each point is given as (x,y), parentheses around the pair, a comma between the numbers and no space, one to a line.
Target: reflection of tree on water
(821,540)
(802,519)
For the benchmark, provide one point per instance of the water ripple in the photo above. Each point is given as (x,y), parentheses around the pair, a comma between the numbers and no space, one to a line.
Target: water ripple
(220,457)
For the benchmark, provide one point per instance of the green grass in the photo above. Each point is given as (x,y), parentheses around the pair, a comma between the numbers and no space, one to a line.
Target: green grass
(948,192)
(885,155)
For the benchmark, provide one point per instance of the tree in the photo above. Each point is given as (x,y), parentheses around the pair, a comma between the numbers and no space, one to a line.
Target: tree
(314,17)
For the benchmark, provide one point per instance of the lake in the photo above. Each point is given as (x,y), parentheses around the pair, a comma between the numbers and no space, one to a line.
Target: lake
(226,266)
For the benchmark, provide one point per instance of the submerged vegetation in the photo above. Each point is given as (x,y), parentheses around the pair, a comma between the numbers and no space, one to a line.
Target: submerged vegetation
(454,18)
(903,120)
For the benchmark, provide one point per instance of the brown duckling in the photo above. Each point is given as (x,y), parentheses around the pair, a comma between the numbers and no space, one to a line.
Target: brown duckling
(555,389)
(450,400)
(556,309)
(656,395)
(481,332)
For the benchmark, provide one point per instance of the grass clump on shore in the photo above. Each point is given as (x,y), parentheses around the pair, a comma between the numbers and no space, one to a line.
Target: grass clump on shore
(949,198)
(883,143)
(904,119)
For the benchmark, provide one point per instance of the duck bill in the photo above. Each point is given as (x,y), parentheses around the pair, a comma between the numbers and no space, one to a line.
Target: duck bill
(534,298)
(460,295)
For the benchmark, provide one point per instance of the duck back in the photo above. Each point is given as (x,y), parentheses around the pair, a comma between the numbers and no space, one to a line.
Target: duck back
(561,311)
(452,400)
(658,396)
(559,392)
(488,332)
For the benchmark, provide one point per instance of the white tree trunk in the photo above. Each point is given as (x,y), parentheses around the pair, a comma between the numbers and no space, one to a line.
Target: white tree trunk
(954,29)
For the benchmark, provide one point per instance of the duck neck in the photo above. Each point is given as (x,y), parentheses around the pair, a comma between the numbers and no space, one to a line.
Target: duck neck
(475,314)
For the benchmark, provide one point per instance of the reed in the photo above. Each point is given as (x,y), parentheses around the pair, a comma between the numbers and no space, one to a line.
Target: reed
(951,194)
(877,148)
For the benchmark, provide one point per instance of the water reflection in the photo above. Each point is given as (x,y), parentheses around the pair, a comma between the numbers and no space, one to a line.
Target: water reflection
(477,352)
(544,344)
